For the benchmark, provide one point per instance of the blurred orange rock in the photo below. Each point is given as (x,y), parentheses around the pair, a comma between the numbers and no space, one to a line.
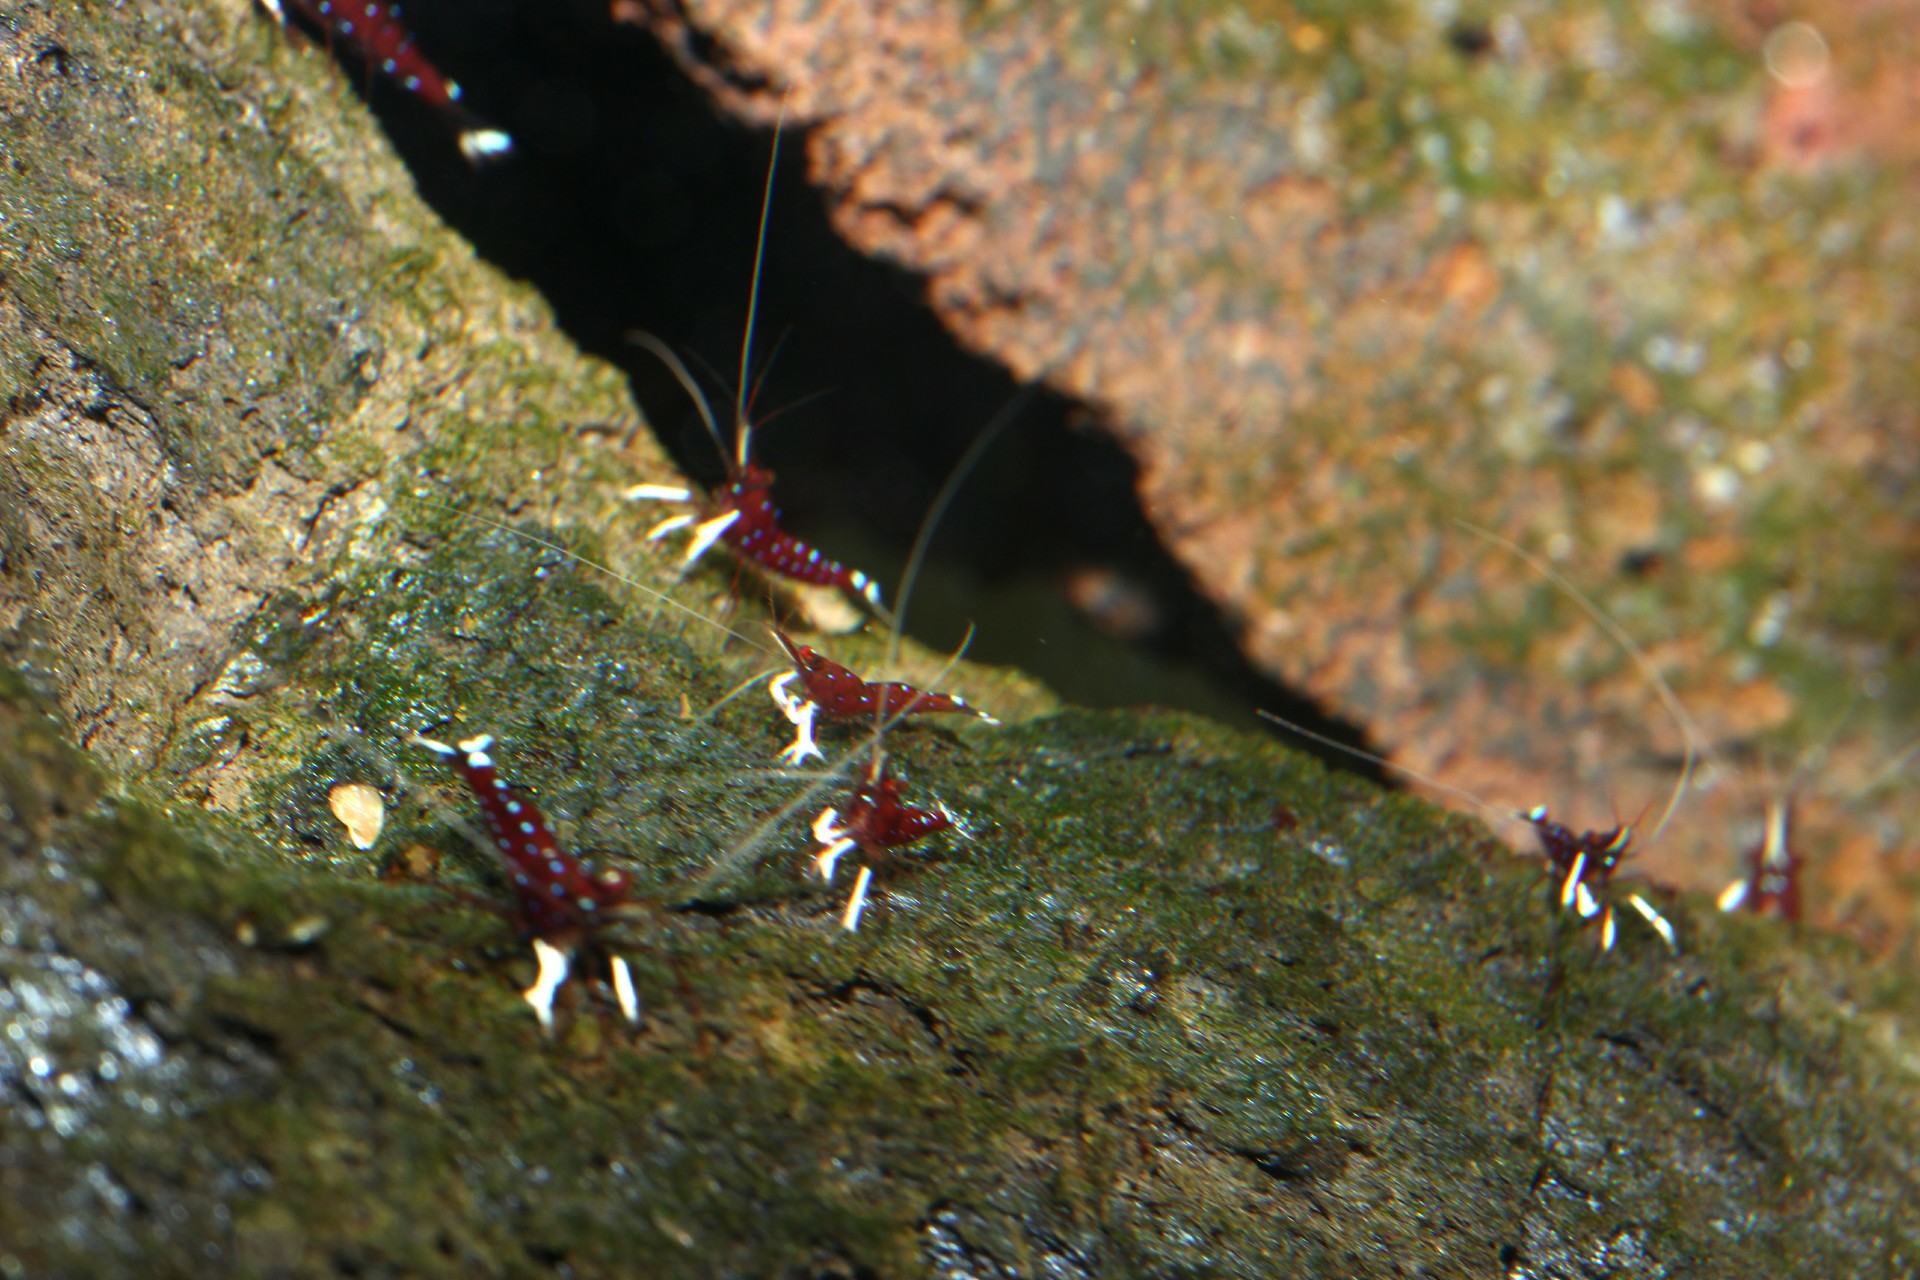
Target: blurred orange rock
(1509,275)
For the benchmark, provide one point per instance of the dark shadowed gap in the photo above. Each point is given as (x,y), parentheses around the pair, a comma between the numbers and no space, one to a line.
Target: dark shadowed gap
(631,204)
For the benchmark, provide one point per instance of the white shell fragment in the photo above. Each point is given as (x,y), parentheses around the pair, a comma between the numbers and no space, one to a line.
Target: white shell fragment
(360,810)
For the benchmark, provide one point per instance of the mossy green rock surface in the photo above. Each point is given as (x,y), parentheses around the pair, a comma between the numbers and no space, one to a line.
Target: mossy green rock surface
(1178,1004)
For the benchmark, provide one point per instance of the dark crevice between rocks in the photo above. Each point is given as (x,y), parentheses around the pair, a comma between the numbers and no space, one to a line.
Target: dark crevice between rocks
(632,205)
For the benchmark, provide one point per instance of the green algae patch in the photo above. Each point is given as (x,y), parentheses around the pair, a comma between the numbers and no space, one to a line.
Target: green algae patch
(1173,1000)
(1203,1036)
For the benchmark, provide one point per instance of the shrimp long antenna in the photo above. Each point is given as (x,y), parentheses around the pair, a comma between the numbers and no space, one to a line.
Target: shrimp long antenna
(685,376)
(1901,759)
(1393,765)
(881,722)
(590,563)
(759,381)
(743,430)
(1684,722)
(792,406)
(923,538)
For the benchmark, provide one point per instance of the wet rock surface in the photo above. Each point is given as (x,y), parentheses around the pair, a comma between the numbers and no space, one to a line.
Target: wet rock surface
(1632,286)
(1182,1002)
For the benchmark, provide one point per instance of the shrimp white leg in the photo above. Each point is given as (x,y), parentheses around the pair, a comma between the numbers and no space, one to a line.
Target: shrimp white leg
(836,840)
(856,904)
(1572,884)
(799,713)
(623,991)
(706,534)
(553,974)
(667,526)
(482,145)
(1661,925)
(658,493)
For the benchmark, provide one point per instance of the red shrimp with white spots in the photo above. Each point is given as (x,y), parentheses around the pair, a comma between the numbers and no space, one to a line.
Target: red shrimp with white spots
(374,31)
(876,824)
(1770,884)
(839,694)
(1582,864)
(559,901)
(743,514)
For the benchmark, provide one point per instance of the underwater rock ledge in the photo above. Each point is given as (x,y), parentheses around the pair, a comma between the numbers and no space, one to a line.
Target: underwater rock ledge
(1183,1003)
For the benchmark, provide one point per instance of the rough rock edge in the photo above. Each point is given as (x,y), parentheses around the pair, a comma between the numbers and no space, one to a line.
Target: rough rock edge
(1185,1002)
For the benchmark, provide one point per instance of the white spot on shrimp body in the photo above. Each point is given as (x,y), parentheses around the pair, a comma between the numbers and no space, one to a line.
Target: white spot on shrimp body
(526,828)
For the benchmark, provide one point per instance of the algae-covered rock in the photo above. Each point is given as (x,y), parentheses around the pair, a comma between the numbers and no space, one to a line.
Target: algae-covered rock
(1181,1004)
(287,475)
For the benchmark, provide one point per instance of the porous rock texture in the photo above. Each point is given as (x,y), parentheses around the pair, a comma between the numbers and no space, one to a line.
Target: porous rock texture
(1632,285)
(284,473)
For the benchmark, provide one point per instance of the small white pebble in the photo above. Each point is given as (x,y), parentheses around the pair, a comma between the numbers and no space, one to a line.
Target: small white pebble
(360,810)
